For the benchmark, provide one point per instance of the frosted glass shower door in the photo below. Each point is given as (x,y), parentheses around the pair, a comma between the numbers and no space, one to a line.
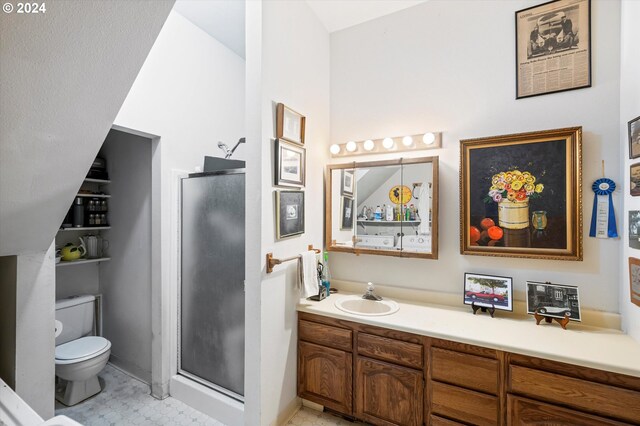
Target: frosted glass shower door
(211,341)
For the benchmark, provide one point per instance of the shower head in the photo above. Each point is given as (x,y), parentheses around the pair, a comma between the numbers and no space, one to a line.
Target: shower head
(229,152)
(223,146)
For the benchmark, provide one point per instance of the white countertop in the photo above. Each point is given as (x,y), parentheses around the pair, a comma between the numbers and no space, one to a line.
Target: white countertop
(600,348)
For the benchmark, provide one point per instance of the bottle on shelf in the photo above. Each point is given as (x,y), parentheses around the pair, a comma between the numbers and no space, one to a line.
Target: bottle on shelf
(378,214)
(412,212)
(389,212)
(326,274)
(406,213)
(78,212)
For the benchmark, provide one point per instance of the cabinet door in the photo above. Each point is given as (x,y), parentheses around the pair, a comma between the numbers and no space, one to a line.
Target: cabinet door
(387,394)
(526,412)
(325,376)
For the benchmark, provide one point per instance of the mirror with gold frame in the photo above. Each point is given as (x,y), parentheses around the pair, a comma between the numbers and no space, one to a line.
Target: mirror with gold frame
(387,207)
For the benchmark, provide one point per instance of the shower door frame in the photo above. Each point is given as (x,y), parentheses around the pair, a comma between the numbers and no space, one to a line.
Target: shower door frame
(178,319)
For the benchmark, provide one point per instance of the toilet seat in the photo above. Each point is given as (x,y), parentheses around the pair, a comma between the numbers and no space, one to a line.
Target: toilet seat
(81,349)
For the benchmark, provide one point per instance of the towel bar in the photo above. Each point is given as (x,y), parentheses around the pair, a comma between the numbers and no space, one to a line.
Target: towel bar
(272,261)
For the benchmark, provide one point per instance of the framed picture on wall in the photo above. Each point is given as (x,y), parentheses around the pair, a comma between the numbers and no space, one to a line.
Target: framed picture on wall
(347,179)
(289,124)
(553,47)
(634,229)
(553,300)
(289,213)
(488,291)
(634,138)
(346,221)
(634,280)
(520,195)
(290,160)
(634,180)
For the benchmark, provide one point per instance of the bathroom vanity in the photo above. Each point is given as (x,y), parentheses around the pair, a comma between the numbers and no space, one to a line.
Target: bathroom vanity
(419,366)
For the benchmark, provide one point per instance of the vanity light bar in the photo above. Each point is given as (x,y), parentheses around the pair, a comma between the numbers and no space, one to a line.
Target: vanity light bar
(430,140)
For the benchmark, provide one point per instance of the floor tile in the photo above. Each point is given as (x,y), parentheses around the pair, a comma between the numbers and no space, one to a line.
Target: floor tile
(125,401)
(308,417)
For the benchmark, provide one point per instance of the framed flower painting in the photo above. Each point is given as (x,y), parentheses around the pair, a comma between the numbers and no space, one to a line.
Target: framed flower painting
(521,195)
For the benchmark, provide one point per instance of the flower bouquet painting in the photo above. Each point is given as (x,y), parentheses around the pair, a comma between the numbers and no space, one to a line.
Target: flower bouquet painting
(512,190)
(520,195)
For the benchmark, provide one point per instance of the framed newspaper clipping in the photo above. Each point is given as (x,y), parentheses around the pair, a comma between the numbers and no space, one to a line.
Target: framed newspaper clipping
(553,47)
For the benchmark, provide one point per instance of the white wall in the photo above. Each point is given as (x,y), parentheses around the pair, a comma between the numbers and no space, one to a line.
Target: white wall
(449,66)
(629,109)
(59,94)
(190,93)
(35,342)
(295,71)
(125,281)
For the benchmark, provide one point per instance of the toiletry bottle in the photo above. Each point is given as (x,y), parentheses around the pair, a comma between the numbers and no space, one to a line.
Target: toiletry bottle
(383,212)
(406,213)
(389,212)
(412,212)
(378,213)
(78,212)
(326,274)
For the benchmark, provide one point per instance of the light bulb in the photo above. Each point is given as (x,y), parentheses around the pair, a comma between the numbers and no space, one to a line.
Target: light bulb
(387,143)
(334,149)
(368,145)
(351,146)
(428,138)
(407,141)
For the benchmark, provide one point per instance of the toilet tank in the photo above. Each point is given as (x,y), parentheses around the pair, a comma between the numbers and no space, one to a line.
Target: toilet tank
(76,314)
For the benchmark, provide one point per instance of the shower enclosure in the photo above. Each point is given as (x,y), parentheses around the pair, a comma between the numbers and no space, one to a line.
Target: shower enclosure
(211,304)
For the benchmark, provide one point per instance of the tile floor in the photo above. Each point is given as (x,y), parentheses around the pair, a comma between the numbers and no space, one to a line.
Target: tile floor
(309,417)
(126,401)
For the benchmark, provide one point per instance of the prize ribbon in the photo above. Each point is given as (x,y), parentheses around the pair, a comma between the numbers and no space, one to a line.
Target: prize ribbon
(603,187)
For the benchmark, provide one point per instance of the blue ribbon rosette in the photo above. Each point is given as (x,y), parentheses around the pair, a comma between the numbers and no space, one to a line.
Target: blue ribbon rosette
(602,187)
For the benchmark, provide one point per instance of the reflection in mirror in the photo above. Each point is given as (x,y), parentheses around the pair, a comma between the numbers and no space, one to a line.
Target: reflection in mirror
(377,217)
(416,226)
(384,207)
(343,209)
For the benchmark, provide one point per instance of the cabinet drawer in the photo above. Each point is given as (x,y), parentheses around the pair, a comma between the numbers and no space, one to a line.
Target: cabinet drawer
(325,335)
(440,421)
(587,396)
(463,405)
(469,371)
(394,351)
(526,412)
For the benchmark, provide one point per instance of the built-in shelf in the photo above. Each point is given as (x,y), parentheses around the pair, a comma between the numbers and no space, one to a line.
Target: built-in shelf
(104,181)
(389,222)
(84,228)
(93,195)
(82,261)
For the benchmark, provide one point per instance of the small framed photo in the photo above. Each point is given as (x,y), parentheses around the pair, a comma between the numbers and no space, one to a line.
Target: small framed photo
(634,280)
(290,160)
(488,291)
(634,229)
(289,124)
(553,300)
(346,221)
(289,213)
(634,138)
(347,179)
(634,180)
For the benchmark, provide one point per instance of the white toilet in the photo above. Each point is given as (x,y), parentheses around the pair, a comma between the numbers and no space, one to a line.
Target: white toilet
(80,356)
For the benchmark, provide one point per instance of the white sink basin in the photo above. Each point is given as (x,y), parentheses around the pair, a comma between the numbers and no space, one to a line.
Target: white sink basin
(356,305)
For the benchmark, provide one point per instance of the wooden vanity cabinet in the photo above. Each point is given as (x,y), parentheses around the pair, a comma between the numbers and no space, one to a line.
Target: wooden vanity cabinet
(387,377)
(539,390)
(325,365)
(387,382)
(464,384)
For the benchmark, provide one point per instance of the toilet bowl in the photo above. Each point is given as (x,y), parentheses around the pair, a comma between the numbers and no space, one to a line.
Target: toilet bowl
(79,356)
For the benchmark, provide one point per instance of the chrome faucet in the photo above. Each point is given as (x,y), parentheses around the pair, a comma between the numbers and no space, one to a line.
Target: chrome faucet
(371,294)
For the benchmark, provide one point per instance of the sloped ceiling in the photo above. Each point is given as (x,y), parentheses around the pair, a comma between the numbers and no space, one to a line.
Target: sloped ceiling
(63,76)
